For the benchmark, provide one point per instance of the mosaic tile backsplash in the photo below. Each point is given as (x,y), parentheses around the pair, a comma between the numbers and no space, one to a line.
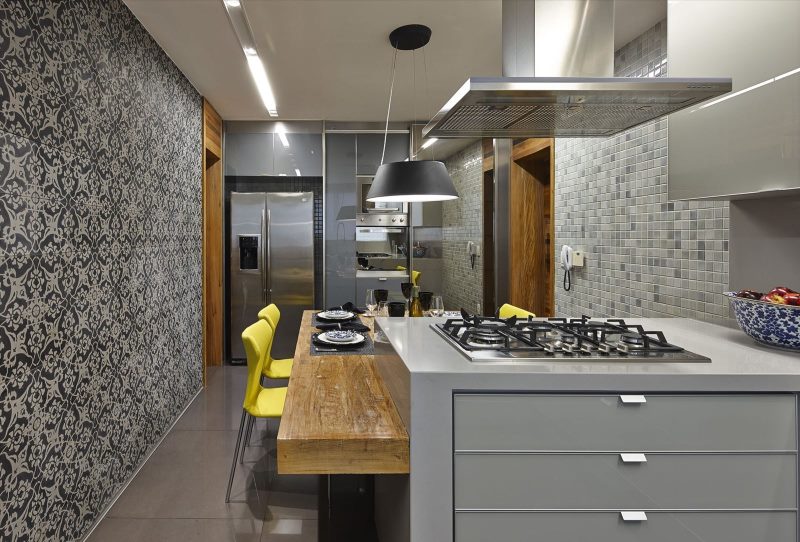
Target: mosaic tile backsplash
(100,247)
(645,256)
(461,222)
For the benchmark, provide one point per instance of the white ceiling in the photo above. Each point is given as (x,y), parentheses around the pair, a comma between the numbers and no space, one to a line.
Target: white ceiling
(331,59)
(327,59)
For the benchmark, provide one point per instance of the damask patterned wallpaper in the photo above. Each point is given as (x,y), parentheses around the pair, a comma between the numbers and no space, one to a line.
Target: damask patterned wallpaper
(100,247)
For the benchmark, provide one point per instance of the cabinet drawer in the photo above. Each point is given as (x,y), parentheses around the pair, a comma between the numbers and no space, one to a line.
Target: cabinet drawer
(604,423)
(609,527)
(578,481)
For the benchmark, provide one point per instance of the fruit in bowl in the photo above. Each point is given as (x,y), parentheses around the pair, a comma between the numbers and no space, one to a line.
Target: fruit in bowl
(772,318)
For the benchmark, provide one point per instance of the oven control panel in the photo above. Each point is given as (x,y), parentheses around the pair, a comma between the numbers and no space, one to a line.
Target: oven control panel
(382,219)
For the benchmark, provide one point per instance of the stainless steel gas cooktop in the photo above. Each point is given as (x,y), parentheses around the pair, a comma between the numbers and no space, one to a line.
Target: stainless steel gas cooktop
(575,339)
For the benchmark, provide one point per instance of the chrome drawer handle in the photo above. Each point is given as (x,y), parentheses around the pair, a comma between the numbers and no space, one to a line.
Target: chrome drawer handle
(632,399)
(632,516)
(633,458)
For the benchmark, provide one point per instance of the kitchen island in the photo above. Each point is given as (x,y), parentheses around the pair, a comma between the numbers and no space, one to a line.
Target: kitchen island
(592,450)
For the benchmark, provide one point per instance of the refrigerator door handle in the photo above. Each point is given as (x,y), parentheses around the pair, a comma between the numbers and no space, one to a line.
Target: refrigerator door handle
(263,269)
(268,280)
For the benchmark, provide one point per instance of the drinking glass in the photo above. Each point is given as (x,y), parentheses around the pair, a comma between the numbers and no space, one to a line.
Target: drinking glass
(437,306)
(382,308)
(371,303)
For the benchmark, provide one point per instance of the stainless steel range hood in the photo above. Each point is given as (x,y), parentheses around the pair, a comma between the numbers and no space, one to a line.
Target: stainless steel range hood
(543,41)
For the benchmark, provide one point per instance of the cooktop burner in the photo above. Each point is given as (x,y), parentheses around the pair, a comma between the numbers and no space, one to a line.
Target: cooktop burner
(495,339)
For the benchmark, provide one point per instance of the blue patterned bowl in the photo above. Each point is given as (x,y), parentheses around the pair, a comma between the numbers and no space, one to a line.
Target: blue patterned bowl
(767,323)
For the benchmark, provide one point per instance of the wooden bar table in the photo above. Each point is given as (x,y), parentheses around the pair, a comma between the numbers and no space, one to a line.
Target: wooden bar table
(339,419)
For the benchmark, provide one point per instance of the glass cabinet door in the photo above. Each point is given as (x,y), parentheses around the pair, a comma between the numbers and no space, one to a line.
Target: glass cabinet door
(248,154)
(340,219)
(298,155)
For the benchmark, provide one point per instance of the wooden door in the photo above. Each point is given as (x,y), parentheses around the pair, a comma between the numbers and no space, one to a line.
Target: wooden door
(212,238)
(531,228)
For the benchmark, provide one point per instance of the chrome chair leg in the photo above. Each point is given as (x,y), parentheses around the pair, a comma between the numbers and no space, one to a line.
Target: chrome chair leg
(247,434)
(235,454)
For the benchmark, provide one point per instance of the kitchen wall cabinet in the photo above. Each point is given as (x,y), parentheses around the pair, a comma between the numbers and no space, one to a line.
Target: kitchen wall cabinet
(340,219)
(745,142)
(265,154)
(302,152)
(249,154)
(370,147)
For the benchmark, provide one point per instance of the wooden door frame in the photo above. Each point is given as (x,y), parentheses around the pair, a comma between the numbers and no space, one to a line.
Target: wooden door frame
(521,152)
(212,158)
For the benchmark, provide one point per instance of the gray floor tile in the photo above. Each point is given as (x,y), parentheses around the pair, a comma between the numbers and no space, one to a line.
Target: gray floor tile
(180,493)
(219,406)
(179,530)
(289,530)
(187,476)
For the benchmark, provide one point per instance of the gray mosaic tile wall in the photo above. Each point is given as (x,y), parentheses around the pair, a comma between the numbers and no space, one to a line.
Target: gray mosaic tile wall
(461,222)
(645,256)
(100,270)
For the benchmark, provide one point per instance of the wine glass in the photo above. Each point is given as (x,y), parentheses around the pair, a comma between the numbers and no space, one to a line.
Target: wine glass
(437,306)
(371,303)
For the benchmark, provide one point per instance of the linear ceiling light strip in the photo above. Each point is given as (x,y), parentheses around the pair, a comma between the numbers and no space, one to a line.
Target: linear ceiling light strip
(241,27)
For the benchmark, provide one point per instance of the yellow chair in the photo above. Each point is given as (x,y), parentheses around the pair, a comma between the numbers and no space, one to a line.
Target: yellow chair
(415,275)
(274,368)
(259,402)
(507,311)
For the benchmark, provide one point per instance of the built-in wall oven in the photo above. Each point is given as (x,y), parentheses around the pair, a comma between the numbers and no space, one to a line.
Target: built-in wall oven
(364,183)
(381,252)
(381,236)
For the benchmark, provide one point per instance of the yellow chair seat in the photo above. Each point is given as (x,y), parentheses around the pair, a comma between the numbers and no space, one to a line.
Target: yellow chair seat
(269,403)
(507,311)
(279,368)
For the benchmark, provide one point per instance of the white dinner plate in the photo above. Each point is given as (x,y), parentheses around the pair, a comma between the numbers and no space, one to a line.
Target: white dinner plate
(335,315)
(357,339)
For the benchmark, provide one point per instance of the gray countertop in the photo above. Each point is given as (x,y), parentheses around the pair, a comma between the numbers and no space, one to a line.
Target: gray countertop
(737,362)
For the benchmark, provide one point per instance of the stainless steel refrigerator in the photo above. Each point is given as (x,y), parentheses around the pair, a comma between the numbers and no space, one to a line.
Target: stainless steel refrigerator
(272,261)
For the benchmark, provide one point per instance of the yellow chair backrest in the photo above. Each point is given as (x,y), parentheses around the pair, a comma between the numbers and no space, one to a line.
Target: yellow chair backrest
(414,275)
(271,314)
(257,339)
(507,311)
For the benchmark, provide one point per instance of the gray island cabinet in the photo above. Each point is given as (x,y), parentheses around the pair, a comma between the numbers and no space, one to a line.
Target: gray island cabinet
(570,451)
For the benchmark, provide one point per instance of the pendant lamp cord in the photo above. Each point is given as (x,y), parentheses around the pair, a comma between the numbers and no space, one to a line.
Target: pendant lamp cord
(427,94)
(389,108)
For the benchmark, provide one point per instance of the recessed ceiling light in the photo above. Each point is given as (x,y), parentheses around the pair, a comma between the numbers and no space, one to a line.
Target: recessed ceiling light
(241,26)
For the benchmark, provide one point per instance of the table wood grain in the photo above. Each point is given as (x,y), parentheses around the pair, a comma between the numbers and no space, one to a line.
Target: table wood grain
(339,417)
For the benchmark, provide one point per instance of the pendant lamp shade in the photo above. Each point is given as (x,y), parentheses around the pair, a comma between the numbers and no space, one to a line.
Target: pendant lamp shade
(420,180)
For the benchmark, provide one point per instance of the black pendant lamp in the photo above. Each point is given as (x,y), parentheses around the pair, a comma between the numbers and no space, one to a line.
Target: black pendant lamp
(416,180)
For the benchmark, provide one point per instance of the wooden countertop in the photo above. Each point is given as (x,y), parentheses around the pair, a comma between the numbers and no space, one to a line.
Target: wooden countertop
(339,417)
